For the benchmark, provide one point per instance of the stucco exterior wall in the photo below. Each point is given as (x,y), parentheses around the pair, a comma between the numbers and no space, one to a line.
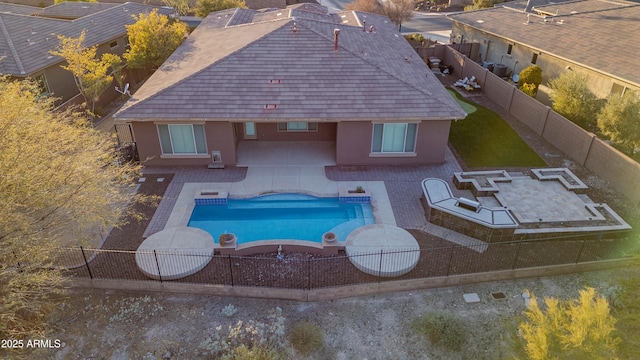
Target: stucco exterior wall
(219,136)
(269,132)
(61,83)
(494,49)
(353,144)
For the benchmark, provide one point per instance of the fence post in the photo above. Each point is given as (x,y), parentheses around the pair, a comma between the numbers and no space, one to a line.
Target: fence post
(580,252)
(230,269)
(157,264)
(380,266)
(450,258)
(515,258)
(308,274)
(86,262)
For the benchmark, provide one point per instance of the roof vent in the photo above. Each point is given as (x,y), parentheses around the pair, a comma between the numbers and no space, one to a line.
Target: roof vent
(295,27)
(364,25)
(336,32)
(271,106)
(275,81)
(371,28)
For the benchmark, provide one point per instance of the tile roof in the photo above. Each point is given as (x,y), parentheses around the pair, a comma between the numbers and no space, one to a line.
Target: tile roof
(225,73)
(597,34)
(18,9)
(25,41)
(73,10)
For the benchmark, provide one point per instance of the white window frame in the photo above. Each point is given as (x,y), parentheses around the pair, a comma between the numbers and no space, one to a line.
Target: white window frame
(204,153)
(404,143)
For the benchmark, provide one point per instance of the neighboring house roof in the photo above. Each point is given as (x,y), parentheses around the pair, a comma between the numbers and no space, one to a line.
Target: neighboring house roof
(74,10)
(597,34)
(25,41)
(18,9)
(239,62)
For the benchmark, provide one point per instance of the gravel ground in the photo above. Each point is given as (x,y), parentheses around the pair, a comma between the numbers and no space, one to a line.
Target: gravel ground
(97,324)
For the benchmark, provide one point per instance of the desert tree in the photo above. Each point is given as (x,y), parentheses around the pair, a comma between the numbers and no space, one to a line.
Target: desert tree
(152,38)
(396,10)
(182,7)
(204,7)
(626,305)
(581,328)
(482,4)
(619,119)
(91,74)
(60,180)
(572,99)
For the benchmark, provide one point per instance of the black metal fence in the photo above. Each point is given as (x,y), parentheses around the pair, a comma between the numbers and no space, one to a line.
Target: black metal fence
(301,271)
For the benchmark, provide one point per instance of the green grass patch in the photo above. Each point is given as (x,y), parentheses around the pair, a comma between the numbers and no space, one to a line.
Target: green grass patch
(484,139)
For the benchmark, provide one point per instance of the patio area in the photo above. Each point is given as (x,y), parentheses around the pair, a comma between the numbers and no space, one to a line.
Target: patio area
(286,153)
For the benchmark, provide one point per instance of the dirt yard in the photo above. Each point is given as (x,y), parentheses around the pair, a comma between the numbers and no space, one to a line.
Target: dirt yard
(95,324)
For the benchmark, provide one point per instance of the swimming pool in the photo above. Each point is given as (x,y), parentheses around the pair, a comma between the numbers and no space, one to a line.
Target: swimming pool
(281,216)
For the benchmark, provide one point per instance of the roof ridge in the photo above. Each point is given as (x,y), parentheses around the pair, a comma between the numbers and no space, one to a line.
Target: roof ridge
(118,6)
(158,93)
(370,62)
(12,47)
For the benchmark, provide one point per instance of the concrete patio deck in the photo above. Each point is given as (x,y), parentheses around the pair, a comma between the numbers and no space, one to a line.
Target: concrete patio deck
(292,167)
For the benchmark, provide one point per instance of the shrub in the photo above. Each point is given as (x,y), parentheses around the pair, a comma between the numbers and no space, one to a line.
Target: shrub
(572,99)
(529,89)
(530,75)
(418,38)
(307,338)
(256,353)
(442,328)
(529,79)
(229,310)
(251,335)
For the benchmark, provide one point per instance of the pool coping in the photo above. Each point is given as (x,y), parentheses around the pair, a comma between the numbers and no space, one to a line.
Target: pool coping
(185,203)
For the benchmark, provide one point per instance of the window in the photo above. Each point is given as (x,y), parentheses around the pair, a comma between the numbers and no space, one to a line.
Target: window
(41,81)
(509,49)
(534,58)
(113,44)
(182,139)
(298,126)
(394,138)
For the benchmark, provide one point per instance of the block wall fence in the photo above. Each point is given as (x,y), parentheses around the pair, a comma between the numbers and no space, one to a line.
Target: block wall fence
(622,172)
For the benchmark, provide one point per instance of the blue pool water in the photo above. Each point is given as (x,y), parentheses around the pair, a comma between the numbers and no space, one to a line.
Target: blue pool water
(281,216)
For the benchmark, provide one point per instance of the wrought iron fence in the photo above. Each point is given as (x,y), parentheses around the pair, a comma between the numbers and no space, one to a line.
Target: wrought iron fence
(299,271)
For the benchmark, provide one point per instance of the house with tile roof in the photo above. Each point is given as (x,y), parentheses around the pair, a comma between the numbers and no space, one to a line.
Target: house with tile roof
(28,34)
(595,37)
(294,74)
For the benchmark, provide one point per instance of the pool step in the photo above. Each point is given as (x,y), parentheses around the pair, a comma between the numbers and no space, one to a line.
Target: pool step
(282,205)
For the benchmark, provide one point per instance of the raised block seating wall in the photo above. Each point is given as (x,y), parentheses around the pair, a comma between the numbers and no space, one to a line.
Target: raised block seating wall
(484,223)
(563,175)
(469,181)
